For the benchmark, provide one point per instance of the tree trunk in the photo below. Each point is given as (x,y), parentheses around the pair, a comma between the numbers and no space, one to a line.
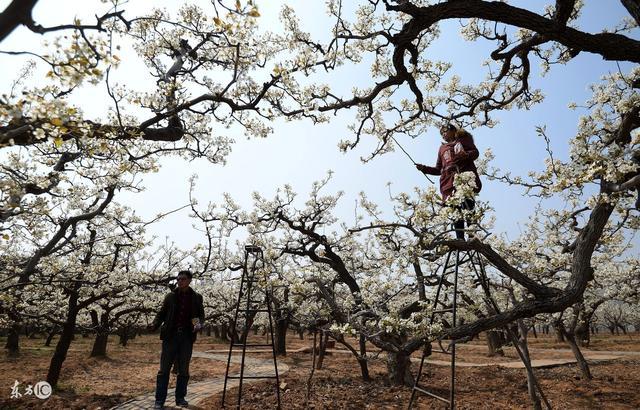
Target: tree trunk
(124,336)
(102,335)
(13,341)
(494,343)
(282,325)
(362,359)
(531,377)
(301,333)
(399,369)
(216,332)
(559,335)
(323,348)
(582,363)
(582,335)
(100,344)
(62,347)
(208,331)
(50,337)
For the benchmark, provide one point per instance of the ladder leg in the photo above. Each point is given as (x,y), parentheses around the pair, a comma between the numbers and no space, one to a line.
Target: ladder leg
(440,282)
(452,387)
(235,322)
(273,346)
(445,272)
(245,331)
(415,383)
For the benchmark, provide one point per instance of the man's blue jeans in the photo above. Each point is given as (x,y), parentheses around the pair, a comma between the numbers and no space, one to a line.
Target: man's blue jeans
(177,346)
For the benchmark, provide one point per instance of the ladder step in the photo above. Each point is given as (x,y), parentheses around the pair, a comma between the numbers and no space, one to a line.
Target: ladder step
(252,345)
(252,377)
(256,310)
(428,393)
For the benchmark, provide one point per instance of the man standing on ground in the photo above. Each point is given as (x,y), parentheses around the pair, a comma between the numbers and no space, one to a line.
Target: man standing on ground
(183,315)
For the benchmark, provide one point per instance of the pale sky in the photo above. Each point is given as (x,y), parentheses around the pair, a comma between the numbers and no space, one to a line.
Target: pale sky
(299,153)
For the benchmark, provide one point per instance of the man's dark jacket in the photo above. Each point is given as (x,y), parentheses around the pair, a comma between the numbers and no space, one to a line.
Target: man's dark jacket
(168,313)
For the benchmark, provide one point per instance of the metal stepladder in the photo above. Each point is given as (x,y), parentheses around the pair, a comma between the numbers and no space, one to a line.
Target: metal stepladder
(478,270)
(252,257)
(441,307)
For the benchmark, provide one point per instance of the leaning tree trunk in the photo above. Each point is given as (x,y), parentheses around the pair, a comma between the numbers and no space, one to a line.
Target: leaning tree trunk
(531,377)
(399,368)
(50,337)
(582,363)
(62,347)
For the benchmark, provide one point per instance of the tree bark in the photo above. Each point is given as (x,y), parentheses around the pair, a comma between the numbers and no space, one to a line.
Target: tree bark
(13,341)
(102,336)
(323,348)
(494,343)
(62,347)
(362,359)
(531,377)
(282,325)
(50,337)
(399,369)
(124,336)
(100,344)
(559,335)
(582,363)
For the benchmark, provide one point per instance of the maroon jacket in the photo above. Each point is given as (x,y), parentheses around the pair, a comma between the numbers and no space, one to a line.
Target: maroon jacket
(450,163)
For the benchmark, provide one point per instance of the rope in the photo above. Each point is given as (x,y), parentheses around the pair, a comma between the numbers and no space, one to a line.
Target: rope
(409,156)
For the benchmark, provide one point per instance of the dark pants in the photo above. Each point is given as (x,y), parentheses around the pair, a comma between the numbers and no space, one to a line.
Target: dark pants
(178,348)
(458,225)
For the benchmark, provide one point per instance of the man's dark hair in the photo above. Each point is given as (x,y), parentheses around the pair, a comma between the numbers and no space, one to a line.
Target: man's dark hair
(186,273)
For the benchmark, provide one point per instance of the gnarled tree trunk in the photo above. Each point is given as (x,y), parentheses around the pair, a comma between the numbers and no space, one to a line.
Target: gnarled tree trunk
(399,368)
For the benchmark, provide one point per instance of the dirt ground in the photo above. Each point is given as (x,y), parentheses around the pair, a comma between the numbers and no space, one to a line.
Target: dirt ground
(128,372)
(94,383)
(339,386)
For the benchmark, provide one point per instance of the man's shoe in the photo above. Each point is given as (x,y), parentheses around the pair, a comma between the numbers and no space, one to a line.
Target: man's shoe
(182,403)
(158,406)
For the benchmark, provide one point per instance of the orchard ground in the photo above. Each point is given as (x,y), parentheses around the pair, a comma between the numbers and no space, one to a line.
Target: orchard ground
(130,371)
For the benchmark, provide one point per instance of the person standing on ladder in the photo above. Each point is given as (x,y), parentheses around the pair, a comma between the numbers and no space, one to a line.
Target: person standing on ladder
(456,155)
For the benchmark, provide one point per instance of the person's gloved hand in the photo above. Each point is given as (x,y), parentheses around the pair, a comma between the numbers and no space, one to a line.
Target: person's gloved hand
(461,155)
(421,168)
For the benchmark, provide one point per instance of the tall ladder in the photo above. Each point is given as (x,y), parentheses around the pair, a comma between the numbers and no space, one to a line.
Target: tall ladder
(452,266)
(440,307)
(252,257)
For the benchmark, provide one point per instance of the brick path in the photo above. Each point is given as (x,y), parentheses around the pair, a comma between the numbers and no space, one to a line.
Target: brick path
(197,392)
